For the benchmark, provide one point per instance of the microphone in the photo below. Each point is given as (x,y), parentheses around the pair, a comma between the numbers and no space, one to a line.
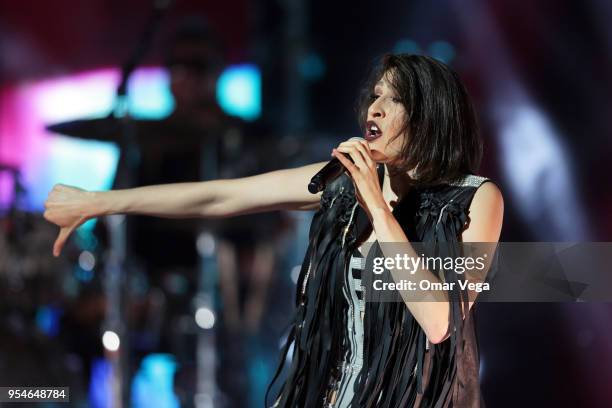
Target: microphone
(328,173)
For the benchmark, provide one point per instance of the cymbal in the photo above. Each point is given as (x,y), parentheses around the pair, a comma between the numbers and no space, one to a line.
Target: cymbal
(111,129)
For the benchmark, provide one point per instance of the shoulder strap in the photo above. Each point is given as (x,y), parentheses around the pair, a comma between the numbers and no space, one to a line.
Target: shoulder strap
(470,180)
(467,187)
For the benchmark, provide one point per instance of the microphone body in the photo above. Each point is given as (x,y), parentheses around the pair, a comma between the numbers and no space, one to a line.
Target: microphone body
(328,173)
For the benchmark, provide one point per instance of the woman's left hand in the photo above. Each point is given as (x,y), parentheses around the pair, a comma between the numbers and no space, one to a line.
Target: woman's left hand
(363,172)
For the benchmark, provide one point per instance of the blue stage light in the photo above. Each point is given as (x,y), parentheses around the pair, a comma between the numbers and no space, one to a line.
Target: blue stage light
(100,384)
(152,386)
(149,94)
(239,91)
(47,319)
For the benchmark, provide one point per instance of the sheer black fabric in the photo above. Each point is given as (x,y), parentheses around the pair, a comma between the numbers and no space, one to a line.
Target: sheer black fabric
(397,372)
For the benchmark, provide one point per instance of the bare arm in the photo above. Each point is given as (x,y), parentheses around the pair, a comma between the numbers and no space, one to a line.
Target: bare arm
(68,207)
(277,190)
(486,217)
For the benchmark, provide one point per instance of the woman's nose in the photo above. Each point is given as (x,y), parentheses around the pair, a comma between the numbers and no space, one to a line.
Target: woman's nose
(375,111)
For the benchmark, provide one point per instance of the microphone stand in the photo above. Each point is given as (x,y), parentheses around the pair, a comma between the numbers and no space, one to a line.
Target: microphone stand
(115,278)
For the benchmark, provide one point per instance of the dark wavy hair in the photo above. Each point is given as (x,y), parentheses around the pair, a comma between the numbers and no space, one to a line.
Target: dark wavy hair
(443,142)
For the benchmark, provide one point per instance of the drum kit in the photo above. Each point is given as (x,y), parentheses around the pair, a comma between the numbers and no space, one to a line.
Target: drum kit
(26,238)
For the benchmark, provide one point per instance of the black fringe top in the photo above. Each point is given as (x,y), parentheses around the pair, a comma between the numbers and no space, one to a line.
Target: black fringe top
(397,373)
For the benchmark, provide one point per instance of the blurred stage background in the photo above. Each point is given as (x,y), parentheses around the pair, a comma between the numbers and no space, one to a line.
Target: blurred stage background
(196,314)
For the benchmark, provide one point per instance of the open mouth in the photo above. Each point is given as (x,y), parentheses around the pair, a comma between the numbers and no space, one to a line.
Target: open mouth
(372,131)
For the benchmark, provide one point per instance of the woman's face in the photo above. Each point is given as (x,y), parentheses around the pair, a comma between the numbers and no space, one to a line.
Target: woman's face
(385,120)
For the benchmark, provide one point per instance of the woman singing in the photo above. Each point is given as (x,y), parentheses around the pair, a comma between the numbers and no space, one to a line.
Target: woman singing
(412,179)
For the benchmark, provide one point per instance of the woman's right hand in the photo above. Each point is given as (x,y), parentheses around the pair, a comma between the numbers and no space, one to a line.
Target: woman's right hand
(67,207)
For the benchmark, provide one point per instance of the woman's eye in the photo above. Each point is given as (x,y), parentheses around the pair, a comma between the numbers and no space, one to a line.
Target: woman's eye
(373,97)
(396,100)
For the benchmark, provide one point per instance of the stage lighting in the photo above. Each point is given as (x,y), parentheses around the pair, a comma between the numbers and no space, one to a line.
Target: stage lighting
(205,318)
(239,91)
(111,341)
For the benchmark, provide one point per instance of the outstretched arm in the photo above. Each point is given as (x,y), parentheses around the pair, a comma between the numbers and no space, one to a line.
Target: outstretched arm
(69,207)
